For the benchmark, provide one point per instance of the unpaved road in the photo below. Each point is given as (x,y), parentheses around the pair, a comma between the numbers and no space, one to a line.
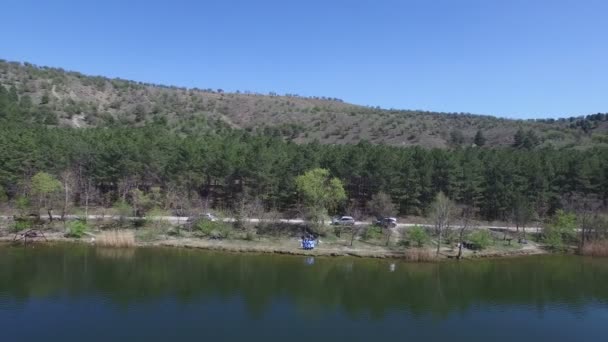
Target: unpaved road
(185,219)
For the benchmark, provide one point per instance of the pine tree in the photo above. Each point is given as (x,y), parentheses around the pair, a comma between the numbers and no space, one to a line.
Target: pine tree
(480,140)
(518,138)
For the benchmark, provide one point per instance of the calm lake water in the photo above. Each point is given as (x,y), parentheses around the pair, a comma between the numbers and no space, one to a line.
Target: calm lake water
(82,293)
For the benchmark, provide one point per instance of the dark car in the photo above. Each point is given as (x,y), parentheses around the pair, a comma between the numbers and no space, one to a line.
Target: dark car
(387,222)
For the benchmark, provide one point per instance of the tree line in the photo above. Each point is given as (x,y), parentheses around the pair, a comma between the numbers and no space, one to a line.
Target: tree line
(100,166)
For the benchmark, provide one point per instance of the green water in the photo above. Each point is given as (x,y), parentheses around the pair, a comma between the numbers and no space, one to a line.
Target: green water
(80,293)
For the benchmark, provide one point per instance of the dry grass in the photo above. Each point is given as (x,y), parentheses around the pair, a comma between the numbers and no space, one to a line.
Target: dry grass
(419,255)
(596,248)
(116,238)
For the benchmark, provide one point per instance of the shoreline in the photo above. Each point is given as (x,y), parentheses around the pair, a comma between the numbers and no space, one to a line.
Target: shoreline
(260,247)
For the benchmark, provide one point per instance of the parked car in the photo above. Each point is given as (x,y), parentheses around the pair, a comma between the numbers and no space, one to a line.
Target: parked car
(387,222)
(210,217)
(206,216)
(343,221)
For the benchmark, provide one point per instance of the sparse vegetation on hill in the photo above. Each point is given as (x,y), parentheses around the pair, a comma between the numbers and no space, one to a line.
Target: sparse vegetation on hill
(56,97)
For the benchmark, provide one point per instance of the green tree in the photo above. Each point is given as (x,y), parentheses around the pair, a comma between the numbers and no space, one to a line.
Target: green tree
(418,235)
(480,139)
(562,228)
(481,238)
(44,186)
(77,229)
(518,138)
(140,112)
(23,205)
(45,98)
(456,137)
(123,210)
(320,193)
(531,140)
(3,196)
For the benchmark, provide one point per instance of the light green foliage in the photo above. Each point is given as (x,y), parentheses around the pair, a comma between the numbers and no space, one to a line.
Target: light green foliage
(23,204)
(317,188)
(141,202)
(158,212)
(76,229)
(481,238)
(562,228)
(418,235)
(123,209)
(320,193)
(44,184)
(156,216)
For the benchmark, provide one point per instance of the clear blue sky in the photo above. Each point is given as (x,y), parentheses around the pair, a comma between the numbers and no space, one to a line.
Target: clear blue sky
(518,58)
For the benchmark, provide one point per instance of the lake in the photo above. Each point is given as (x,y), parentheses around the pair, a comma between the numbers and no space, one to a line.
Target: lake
(82,293)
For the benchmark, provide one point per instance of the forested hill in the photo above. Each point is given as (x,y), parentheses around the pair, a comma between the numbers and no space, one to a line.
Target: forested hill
(194,150)
(56,97)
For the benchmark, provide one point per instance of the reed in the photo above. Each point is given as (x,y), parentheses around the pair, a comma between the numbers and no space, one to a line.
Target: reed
(597,248)
(116,238)
(419,255)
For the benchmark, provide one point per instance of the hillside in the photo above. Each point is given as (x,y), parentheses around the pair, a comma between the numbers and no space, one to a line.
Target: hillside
(58,97)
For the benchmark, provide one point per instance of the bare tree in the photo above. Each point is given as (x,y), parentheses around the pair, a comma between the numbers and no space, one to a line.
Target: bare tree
(381,205)
(522,214)
(586,209)
(354,231)
(354,210)
(440,213)
(68,180)
(466,221)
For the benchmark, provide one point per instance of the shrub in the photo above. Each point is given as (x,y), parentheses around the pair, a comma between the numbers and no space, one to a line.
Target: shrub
(481,239)
(561,228)
(404,243)
(213,230)
(418,236)
(139,222)
(23,204)
(250,235)
(371,233)
(123,210)
(76,229)
(20,225)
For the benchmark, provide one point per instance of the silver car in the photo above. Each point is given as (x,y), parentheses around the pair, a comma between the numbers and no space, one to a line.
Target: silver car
(343,221)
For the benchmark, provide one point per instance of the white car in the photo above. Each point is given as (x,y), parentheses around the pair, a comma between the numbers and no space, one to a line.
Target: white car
(209,217)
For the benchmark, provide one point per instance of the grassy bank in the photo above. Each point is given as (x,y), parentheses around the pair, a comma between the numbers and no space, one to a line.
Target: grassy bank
(274,237)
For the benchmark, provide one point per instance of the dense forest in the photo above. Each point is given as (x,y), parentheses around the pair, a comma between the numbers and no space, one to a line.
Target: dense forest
(224,167)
